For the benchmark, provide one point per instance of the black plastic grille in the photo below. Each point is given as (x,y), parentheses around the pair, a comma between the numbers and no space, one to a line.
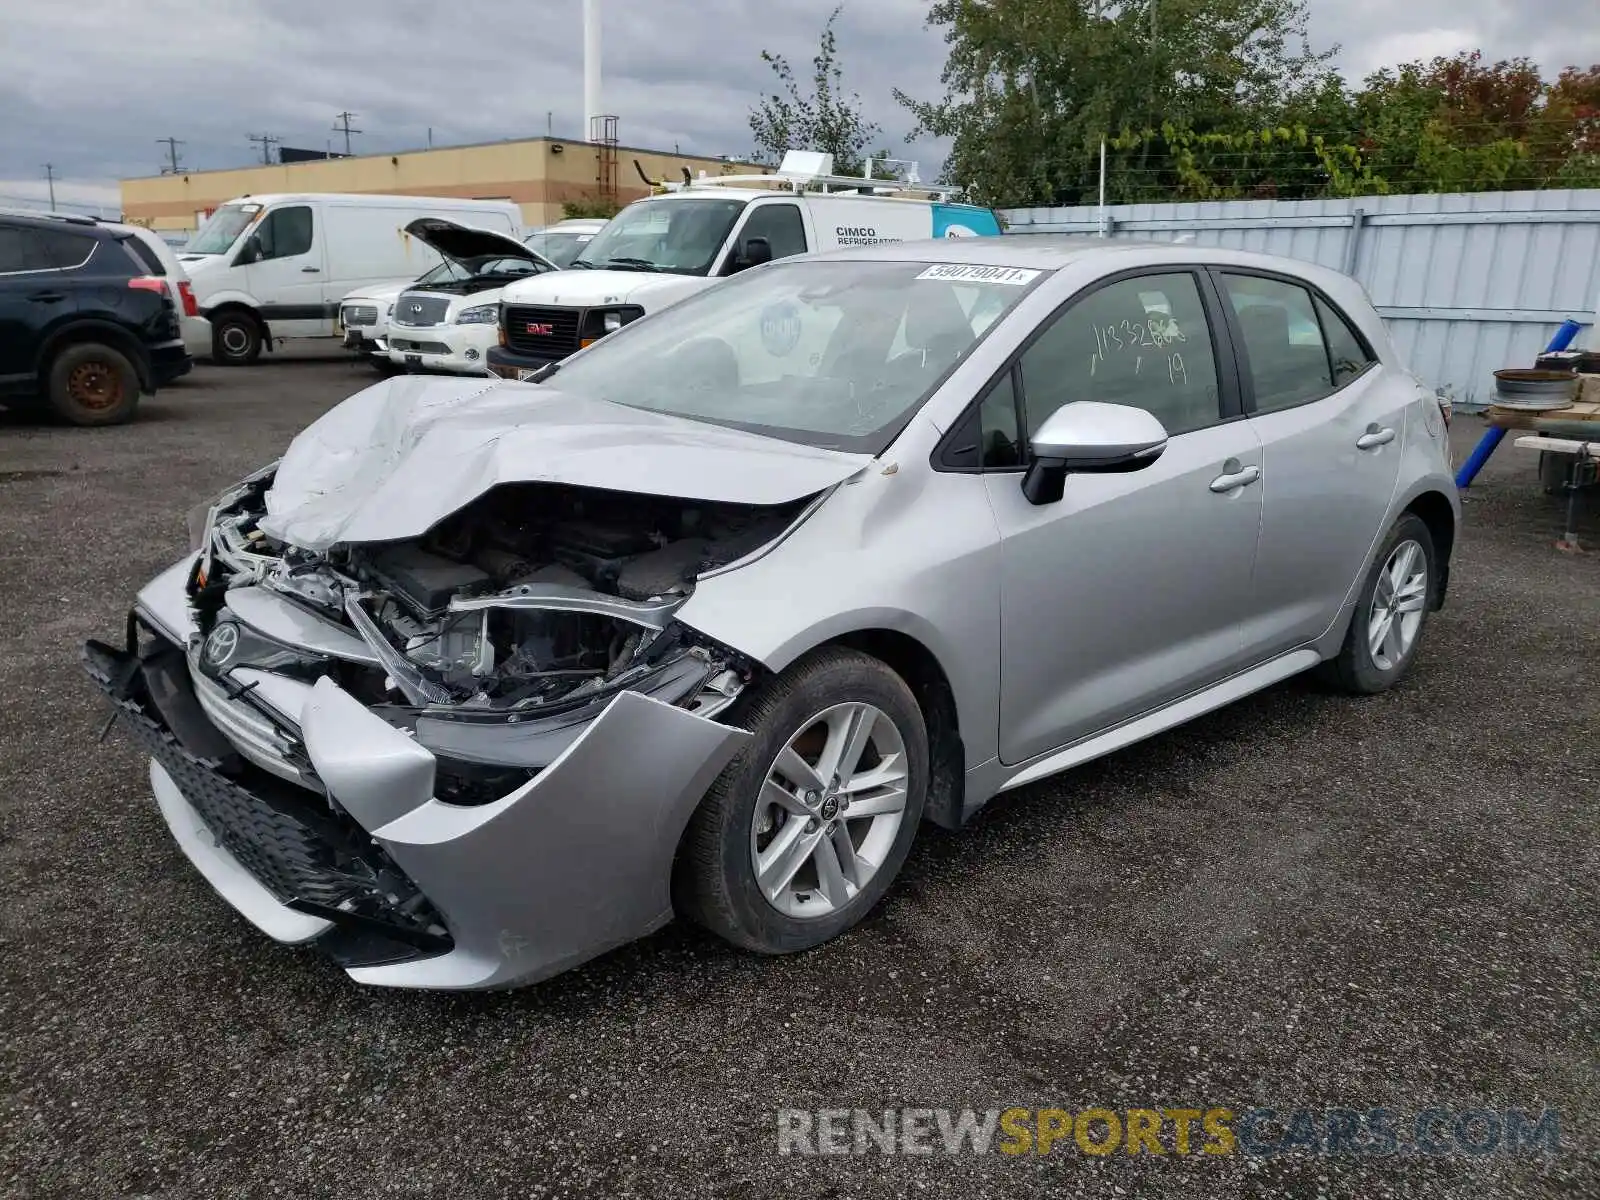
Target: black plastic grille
(547,333)
(356,315)
(287,838)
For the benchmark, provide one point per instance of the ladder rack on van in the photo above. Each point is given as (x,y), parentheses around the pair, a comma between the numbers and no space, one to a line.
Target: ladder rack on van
(884,189)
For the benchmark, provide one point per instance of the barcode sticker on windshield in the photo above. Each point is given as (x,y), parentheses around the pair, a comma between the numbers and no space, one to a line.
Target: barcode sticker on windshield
(971,273)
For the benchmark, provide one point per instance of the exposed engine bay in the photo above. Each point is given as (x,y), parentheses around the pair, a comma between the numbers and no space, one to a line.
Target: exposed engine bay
(534,595)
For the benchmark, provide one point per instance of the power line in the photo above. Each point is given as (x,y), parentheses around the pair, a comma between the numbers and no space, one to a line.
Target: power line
(345,129)
(172,144)
(267,143)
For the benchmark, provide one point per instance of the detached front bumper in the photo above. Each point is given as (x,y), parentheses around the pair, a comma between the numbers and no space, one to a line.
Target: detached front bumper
(459,349)
(357,857)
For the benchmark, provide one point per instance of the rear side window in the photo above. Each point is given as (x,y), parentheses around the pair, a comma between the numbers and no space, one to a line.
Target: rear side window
(20,251)
(1346,353)
(1282,339)
(65,250)
(146,256)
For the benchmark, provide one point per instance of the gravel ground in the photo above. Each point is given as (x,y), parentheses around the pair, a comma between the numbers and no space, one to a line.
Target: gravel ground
(1302,901)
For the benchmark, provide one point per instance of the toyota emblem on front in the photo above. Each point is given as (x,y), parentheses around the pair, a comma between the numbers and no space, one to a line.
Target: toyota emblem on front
(222,643)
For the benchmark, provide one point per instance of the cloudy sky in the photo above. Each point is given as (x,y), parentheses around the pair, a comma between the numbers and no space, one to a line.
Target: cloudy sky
(90,85)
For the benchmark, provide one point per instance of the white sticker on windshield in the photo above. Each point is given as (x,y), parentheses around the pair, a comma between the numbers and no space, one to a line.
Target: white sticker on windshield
(970,273)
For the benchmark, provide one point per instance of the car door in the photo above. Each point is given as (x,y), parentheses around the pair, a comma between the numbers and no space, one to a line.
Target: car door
(780,223)
(32,297)
(284,260)
(1126,593)
(1331,419)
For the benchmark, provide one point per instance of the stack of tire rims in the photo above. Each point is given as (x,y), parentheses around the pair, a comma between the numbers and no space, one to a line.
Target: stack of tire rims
(1541,389)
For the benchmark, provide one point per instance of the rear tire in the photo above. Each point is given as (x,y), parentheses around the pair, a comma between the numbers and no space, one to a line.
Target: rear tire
(716,881)
(91,384)
(1391,613)
(235,339)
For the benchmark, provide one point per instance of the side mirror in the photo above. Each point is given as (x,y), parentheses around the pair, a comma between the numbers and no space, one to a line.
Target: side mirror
(250,252)
(754,252)
(1088,437)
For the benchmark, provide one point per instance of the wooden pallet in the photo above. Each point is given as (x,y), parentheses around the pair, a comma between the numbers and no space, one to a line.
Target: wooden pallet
(1582,419)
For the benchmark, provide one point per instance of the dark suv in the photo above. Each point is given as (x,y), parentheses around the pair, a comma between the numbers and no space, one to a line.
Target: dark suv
(85,328)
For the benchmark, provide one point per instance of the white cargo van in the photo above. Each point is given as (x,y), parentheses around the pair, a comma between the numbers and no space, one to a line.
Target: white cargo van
(266,268)
(661,249)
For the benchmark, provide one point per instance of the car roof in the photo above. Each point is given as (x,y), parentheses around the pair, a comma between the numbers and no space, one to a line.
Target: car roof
(1053,251)
(45,220)
(363,199)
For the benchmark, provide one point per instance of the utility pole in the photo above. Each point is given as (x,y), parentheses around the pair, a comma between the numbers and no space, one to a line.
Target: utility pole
(172,145)
(50,178)
(267,143)
(344,128)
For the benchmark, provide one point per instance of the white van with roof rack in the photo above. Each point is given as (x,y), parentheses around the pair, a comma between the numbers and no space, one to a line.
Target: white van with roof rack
(661,249)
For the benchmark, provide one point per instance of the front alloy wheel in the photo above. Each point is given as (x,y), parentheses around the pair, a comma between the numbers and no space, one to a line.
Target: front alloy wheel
(806,828)
(830,811)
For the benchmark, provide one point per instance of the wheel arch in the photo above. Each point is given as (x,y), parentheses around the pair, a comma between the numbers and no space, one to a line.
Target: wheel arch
(912,660)
(91,330)
(215,312)
(1436,512)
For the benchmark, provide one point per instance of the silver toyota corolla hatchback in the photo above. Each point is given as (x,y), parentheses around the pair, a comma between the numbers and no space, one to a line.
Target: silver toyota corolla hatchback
(483,678)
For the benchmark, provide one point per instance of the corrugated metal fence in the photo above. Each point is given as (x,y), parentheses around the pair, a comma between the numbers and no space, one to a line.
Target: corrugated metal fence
(1467,283)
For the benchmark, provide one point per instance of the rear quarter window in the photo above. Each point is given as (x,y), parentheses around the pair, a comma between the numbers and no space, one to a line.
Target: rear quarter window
(64,250)
(150,260)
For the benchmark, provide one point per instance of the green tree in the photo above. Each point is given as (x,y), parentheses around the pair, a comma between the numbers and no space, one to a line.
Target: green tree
(1033,85)
(590,206)
(827,118)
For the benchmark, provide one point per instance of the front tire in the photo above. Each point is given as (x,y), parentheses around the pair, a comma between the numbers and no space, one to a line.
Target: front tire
(1391,610)
(92,384)
(781,855)
(235,339)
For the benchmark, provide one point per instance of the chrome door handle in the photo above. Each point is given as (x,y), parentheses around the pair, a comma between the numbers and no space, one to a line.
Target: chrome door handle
(310,270)
(1374,437)
(1235,480)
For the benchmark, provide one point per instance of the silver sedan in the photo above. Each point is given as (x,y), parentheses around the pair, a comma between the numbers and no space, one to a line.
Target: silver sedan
(483,678)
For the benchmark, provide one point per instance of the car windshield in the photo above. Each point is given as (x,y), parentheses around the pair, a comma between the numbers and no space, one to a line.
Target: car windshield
(223,229)
(836,354)
(681,237)
(560,246)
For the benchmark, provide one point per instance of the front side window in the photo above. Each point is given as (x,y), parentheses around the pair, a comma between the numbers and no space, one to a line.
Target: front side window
(781,225)
(286,233)
(836,354)
(1288,361)
(1143,342)
(677,236)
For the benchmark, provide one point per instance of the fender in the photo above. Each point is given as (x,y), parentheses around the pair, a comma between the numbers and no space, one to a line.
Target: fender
(70,327)
(216,300)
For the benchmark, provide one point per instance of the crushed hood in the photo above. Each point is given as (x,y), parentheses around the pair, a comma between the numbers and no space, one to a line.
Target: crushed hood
(394,460)
(457,242)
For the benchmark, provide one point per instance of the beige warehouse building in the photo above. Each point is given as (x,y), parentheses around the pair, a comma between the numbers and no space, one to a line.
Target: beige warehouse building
(539,174)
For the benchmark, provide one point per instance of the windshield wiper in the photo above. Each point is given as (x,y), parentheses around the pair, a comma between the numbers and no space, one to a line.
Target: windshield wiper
(578,262)
(637,264)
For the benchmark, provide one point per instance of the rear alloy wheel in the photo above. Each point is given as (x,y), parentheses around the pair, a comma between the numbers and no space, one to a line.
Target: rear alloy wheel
(235,339)
(92,384)
(806,829)
(1391,611)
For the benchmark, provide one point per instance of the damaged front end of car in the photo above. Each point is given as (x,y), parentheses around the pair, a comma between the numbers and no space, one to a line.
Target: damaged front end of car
(458,760)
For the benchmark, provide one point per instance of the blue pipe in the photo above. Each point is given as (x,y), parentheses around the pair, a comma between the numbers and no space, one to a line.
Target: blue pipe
(1493,435)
